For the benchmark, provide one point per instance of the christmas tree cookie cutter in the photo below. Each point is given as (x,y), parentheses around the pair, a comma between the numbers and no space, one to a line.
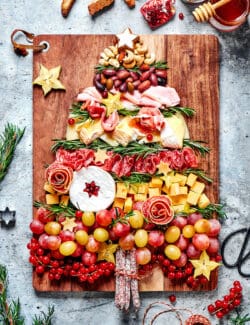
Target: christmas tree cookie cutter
(7,218)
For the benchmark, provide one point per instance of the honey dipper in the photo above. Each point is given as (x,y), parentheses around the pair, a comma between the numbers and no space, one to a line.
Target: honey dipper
(207,10)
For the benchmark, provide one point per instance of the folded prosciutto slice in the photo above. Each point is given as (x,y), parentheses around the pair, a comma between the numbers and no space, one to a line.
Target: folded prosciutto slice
(89,94)
(164,95)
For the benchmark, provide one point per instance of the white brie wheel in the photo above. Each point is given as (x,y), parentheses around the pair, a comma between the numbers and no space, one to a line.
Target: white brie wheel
(106,194)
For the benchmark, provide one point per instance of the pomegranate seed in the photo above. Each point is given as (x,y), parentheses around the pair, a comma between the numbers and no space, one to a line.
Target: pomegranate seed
(172,298)
(71,121)
(181,16)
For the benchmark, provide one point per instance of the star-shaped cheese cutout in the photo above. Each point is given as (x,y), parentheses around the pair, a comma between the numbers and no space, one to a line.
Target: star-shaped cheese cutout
(126,39)
(106,252)
(101,156)
(112,103)
(48,79)
(204,265)
(163,168)
(69,224)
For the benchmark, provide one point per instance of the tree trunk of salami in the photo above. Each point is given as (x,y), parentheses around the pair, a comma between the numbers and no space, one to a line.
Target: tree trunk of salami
(134,281)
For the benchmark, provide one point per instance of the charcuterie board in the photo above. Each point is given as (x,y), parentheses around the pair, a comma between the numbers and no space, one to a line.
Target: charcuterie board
(193,62)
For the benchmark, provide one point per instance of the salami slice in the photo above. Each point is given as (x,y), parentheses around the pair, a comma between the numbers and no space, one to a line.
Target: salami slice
(127,165)
(190,159)
(158,210)
(75,159)
(59,176)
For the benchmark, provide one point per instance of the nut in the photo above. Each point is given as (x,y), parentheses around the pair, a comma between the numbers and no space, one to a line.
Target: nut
(103,62)
(129,65)
(109,53)
(129,57)
(114,49)
(114,62)
(142,49)
(139,59)
(150,59)
(104,56)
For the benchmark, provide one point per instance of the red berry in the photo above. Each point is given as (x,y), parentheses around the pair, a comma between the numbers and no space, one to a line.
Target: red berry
(218,258)
(172,268)
(46,260)
(57,276)
(237,284)
(172,298)
(238,289)
(149,136)
(218,303)
(203,280)
(71,121)
(51,276)
(219,314)
(188,270)
(227,298)
(211,308)
(78,213)
(179,275)
(236,302)
(40,269)
(40,251)
(171,275)
(181,16)
(224,304)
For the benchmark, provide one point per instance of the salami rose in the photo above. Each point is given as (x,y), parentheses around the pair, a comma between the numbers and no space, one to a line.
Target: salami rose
(158,210)
(59,177)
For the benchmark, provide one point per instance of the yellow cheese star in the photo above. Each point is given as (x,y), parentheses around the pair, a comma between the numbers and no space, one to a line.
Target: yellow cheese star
(204,265)
(101,155)
(112,103)
(69,224)
(163,168)
(106,252)
(126,39)
(48,79)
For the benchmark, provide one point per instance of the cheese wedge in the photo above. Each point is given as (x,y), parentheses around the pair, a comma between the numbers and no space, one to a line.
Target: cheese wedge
(71,132)
(90,130)
(124,133)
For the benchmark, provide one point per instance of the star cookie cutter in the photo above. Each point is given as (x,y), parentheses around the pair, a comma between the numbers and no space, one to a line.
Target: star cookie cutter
(7,218)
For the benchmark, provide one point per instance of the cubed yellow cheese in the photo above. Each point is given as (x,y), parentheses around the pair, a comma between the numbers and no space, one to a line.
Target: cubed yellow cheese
(133,188)
(181,179)
(198,187)
(183,190)
(156,182)
(154,191)
(203,201)
(64,200)
(178,208)
(128,205)
(174,189)
(121,190)
(143,188)
(179,199)
(165,189)
(191,179)
(140,197)
(193,198)
(52,199)
(118,203)
(48,188)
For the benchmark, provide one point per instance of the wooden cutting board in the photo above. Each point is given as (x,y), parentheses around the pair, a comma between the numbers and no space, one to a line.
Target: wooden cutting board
(194,72)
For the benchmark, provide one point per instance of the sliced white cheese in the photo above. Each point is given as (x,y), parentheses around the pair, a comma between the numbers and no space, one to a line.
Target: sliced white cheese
(106,194)
(124,132)
(107,137)
(71,132)
(173,133)
(90,130)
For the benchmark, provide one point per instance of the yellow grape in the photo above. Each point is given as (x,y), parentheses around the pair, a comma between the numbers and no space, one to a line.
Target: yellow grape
(67,248)
(188,231)
(202,226)
(82,237)
(172,252)
(172,234)
(52,228)
(101,234)
(141,238)
(136,220)
(88,218)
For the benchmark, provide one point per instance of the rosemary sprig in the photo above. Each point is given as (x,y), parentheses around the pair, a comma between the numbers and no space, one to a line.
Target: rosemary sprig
(126,112)
(43,318)
(133,178)
(199,172)
(170,111)
(8,142)
(240,320)
(79,113)
(211,209)
(197,146)
(160,65)
(56,209)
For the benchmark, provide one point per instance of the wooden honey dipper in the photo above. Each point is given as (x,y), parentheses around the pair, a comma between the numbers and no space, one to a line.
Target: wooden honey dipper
(207,10)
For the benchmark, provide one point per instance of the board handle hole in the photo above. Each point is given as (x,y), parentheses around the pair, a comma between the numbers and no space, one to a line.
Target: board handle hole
(46,46)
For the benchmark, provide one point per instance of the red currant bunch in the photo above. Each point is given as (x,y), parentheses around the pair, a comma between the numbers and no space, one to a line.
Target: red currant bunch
(220,308)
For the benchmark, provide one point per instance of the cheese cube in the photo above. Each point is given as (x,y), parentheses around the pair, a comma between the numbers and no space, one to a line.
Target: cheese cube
(165,189)
(181,179)
(118,203)
(174,189)
(178,208)
(198,187)
(183,190)
(191,179)
(52,199)
(193,198)
(143,188)
(48,188)
(64,200)
(154,191)
(156,182)
(179,199)
(203,201)
(121,190)
(140,197)
(128,205)
(133,188)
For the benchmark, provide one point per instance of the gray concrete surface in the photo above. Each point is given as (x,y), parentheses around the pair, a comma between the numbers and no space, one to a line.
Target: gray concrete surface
(43,16)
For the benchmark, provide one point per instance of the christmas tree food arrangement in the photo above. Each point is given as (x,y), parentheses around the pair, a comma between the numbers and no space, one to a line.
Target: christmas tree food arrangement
(125,194)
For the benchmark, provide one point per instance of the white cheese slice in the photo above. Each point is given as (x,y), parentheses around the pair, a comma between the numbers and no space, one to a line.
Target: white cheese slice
(90,130)
(106,194)
(124,132)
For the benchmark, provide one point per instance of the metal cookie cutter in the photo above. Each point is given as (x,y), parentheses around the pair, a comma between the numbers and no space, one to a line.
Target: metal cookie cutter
(7,218)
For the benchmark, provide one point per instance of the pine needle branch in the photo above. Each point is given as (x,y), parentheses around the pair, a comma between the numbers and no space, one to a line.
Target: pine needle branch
(56,209)
(44,319)
(8,142)
(196,145)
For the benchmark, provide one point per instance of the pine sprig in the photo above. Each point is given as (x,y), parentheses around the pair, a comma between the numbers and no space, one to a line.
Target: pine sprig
(196,145)
(212,208)
(56,209)
(43,318)
(240,320)
(170,111)
(126,112)
(79,113)
(199,172)
(133,178)
(157,65)
(8,142)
